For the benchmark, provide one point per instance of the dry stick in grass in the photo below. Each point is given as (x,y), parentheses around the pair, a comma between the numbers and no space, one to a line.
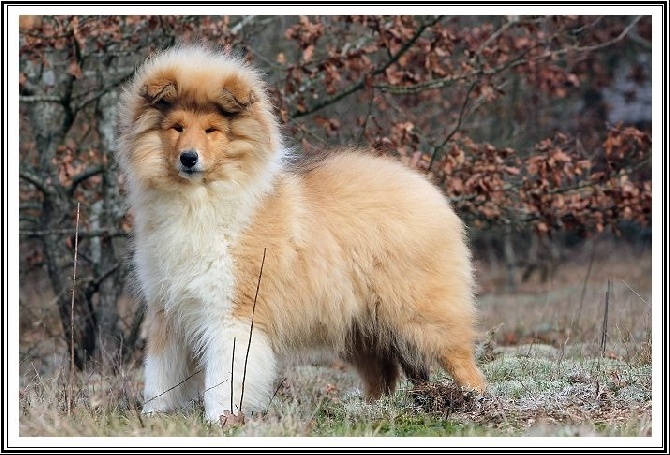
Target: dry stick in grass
(603,338)
(74,283)
(586,279)
(635,292)
(232,376)
(211,387)
(251,329)
(175,386)
(229,418)
(275,394)
(560,358)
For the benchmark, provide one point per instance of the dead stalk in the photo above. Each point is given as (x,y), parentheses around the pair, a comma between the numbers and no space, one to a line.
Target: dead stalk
(74,283)
(603,337)
(275,394)
(174,387)
(636,293)
(575,323)
(232,376)
(562,354)
(251,329)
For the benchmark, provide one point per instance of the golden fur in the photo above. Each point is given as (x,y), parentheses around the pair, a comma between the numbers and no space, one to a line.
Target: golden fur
(364,258)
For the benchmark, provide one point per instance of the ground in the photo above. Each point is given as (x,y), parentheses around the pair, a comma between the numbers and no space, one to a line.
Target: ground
(551,372)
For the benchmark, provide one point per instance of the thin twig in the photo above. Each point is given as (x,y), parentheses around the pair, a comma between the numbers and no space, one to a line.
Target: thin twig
(276,392)
(94,283)
(232,376)
(139,417)
(530,348)
(603,338)
(213,387)
(596,47)
(175,386)
(41,99)
(74,284)
(456,128)
(586,279)
(82,176)
(635,292)
(251,329)
(84,234)
(367,117)
(562,355)
(36,181)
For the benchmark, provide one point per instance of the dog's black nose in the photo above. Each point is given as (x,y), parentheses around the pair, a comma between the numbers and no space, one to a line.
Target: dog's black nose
(188,158)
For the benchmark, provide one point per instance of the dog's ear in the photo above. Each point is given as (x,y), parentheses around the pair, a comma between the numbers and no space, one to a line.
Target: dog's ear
(233,103)
(161,90)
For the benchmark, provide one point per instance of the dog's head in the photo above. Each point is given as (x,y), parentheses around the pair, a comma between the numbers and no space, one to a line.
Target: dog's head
(195,117)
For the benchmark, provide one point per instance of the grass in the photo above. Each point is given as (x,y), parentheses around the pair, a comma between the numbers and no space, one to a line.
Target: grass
(527,393)
(547,377)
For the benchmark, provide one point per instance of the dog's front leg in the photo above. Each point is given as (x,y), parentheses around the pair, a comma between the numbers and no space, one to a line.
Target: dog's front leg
(171,380)
(238,375)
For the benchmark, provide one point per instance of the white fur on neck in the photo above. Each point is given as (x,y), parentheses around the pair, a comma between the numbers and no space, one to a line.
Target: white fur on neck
(182,238)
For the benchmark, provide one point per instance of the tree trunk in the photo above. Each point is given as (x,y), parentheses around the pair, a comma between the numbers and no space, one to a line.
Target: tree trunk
(59,260)
(109,211)
(51,122)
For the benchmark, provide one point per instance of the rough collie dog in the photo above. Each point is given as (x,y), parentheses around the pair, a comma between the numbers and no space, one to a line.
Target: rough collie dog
(360,256)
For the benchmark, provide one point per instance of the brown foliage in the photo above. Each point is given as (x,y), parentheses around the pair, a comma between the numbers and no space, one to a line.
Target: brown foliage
(423,77)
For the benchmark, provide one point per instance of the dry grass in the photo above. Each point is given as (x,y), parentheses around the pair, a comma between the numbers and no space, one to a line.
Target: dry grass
(547,374)
(566,311)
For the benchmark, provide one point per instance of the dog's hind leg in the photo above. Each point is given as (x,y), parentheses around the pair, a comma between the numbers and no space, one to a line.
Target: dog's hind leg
(378,371)
(416,372)
(453,346)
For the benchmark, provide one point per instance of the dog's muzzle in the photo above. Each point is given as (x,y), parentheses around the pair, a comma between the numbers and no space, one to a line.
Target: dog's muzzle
(189,162)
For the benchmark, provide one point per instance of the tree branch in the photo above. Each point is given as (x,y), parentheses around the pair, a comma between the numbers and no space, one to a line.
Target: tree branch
(34,180)
(506,26)
(520,60)
(41,99)
(95,282)
(405,47)
(455,128)
(361,83)
(596,47)
(81,101)
(94,233)
(86,174)
(636,38)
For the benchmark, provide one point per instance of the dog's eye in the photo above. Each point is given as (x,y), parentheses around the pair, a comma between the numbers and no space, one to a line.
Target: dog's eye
(210,130)
(227,113)
(178,128)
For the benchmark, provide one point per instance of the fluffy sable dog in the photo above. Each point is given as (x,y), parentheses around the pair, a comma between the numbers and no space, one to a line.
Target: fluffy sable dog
(362,256)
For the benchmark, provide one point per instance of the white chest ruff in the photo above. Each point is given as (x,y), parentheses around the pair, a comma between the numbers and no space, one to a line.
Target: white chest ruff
(174,277)
(182,257)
